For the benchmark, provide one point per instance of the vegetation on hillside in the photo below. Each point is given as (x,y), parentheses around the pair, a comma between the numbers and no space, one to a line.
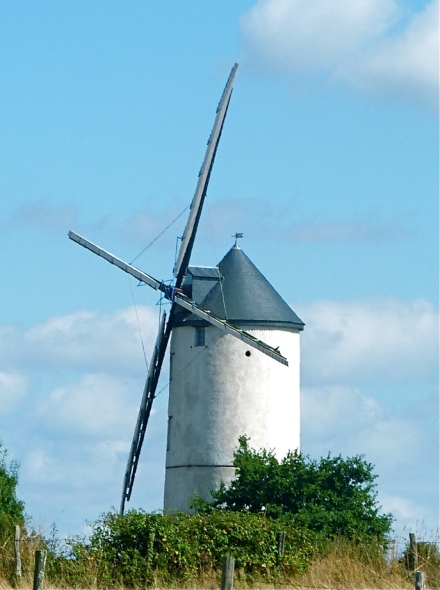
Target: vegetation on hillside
(140,550)
(11,511)
(10,506)
(428,561)
(335,536)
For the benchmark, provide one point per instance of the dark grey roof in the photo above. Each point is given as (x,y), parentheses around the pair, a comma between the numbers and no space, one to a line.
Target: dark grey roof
(247,295)
(208,272)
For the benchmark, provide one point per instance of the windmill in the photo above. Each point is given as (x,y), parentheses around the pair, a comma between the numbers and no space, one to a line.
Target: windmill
(182,299)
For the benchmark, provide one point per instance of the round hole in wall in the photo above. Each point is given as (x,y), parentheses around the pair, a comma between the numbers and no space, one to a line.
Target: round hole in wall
(248,353)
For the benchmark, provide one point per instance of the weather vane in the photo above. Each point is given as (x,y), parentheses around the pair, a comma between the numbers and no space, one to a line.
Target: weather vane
(237,236)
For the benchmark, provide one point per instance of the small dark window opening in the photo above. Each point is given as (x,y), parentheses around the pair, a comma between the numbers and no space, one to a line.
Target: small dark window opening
(200,337)
(248,353)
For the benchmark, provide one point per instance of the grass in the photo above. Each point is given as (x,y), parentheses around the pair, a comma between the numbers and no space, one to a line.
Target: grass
(341,565)
(347,566)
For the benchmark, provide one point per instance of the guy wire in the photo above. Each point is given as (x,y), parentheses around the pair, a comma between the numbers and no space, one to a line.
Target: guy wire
(138,323)
(158,236)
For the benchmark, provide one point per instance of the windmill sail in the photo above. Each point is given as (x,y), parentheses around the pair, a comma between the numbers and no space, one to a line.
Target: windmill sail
(144,412)
(128,268)
(202,184)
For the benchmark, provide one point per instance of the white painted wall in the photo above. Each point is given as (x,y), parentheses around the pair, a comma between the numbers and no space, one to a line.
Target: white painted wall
(217,394)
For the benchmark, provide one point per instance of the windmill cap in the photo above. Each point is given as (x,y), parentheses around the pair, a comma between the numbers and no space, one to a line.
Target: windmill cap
(247,296)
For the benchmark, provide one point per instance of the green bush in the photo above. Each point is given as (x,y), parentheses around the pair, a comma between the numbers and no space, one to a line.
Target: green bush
(11,514)
(10,507)
(333,496)
(140,549)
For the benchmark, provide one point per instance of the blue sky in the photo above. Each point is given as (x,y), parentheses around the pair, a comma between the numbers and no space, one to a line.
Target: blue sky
(328,164)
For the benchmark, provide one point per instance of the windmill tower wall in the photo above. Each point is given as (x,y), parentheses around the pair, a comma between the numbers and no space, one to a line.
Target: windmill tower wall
(219,392)
(220,388)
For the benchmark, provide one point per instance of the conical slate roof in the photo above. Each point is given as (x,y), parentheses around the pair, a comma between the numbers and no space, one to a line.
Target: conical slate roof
(245,297)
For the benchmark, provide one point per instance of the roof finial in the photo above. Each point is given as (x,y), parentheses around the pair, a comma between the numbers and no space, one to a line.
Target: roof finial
(237,236)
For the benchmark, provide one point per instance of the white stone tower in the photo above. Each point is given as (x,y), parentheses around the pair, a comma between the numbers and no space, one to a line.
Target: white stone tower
(221,389)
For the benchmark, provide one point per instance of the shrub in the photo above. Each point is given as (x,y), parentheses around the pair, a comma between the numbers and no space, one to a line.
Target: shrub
(11,514)
(139,549)
(333,496)
(10,507)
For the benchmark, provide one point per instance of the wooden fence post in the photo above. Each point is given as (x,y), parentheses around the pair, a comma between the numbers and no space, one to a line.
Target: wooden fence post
(419,582)
(281,544)
(40,564)
(17,554)
(280,551)
(228,573)
(412,555)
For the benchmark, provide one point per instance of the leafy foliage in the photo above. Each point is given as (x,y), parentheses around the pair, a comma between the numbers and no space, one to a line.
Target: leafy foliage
(332,496)
(11,514)
(10,506)
(140,549)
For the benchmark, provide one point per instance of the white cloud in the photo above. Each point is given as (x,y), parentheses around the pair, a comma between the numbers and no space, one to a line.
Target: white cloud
(81,464)
(147,225)
(369,342)
(139,228)
(355,353)
(268,222)
(377,46)
(412,515)
(83,340)
(304,34)
(405,63)
(356,230)
(94,406)
(73,444)
(39,213)
(38,466)
(80,467)
(346,421)
(349,409)
(13,390)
